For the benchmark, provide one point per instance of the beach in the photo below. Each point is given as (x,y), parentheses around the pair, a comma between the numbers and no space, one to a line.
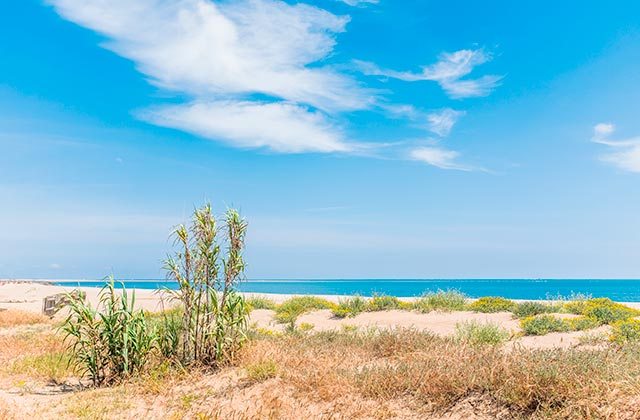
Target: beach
(28,295)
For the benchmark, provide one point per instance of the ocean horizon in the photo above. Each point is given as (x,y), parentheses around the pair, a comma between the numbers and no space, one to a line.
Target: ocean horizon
(626,290)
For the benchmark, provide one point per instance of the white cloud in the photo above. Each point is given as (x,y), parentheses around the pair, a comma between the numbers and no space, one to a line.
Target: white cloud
(439,157)
(281,127)
(252,72)
(443,121)
(359,2)
(626,154)
(448,72)
(225,52)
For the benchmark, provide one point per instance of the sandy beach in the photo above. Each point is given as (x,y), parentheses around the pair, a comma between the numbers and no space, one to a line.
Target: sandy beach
(28,296)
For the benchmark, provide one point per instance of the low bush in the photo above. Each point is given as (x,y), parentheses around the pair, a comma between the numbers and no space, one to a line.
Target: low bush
(604,310)
(260,302)
(526,309)
(626,330)
(492,304)
(450,300)
(386,303)
(350,307)
(477,333)
(290,310)
(582,323)
(543,324)
(607,311)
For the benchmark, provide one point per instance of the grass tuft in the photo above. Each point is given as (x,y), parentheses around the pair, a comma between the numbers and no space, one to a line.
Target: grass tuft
(477,333)
(261,302)
(450,300)
(261,371)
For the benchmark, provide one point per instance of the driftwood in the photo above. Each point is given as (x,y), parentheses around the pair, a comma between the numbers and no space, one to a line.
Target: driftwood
(52,304)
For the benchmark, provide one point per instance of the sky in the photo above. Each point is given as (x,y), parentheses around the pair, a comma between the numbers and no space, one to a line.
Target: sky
(360,139)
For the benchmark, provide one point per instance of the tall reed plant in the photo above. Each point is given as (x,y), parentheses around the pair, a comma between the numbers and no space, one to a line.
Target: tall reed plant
(207,269)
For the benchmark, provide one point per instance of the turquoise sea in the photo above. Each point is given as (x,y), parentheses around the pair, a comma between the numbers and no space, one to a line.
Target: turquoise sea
(620,290)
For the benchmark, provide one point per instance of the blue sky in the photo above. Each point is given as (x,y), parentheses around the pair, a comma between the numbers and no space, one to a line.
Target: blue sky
(385,139)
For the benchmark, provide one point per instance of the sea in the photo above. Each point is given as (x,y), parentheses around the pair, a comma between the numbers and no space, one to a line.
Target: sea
(627,290)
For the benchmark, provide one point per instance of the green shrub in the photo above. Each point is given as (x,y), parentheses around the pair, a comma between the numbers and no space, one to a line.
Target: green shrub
(543,324)
(607,311)
(575,306)
(492,304)
(526,309)
(386,303)
(450,300)
(604,310)
(626,330)
(583,323)
(291,309)
(477,333)
(110,342)
(350,307)
(260,302)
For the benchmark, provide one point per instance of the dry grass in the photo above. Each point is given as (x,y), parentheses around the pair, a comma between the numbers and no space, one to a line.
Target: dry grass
(349,374)
(437,374)
(14,318)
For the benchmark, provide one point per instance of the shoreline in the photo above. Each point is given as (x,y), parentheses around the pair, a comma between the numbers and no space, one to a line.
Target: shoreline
(27,295)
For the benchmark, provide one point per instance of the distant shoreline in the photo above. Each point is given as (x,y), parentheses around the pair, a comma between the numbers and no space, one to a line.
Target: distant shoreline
(27,295)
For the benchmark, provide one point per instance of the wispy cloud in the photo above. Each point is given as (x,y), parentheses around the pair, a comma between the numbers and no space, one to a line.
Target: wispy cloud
(224,53)
(359,2)
(439,157)
(281,127)
(443,121)
(252,73)
(626,154)
(449,72)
